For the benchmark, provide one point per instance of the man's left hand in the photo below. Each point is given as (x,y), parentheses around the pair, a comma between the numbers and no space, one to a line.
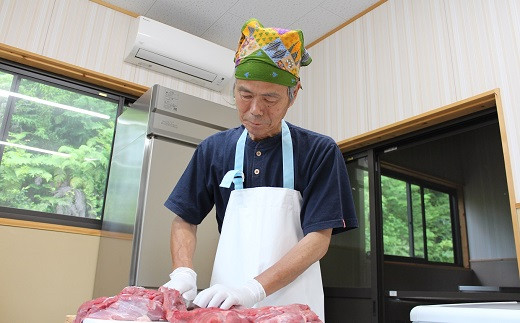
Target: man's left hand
(224,296)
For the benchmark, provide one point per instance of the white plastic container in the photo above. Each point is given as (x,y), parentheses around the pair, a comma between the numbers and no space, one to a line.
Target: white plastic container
(503,312)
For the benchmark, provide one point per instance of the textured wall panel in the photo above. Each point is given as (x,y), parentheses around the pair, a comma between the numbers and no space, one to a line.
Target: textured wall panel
(408,57)
(486,54)
(25,23)
(391,64)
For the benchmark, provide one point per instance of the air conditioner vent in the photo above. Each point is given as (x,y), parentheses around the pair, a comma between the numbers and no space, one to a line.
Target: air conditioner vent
(162,48)
(175,65)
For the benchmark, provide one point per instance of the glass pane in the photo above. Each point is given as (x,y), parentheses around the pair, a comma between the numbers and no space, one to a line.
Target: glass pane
(5,85)
(347,262)
(57,151)
(438,224)
(418,236)
(395,217)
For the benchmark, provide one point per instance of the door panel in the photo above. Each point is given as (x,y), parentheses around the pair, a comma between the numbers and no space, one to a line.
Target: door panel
(347,266)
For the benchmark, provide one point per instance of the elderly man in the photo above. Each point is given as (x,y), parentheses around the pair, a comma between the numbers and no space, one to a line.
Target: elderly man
(280,191)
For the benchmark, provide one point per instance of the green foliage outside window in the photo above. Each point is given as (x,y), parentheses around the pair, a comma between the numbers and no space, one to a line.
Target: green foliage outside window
(403,223)
(439,226)
(5,84)
(68,174)
(395,217)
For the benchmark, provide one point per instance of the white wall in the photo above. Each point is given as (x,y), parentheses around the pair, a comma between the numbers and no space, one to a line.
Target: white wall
(408,57)
(82,33)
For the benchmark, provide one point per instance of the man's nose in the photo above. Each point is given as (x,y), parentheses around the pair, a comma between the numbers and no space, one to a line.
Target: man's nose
(256,107)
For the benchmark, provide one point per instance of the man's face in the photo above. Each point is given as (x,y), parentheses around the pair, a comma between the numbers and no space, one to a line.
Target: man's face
(261,107)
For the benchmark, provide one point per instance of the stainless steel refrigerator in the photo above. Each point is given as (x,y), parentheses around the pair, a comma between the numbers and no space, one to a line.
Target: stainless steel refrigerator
(155,139)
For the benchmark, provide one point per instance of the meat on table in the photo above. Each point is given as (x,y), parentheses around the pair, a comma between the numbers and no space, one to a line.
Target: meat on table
(140,304)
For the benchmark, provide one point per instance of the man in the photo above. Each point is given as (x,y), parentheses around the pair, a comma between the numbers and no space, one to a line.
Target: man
(280,191)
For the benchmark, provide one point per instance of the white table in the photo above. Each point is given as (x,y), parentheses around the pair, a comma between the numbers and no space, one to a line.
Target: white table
(503,312)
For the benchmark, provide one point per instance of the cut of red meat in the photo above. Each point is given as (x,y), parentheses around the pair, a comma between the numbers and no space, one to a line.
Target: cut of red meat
(90,307)
(294,313)
(173,301)
(210,315)
(140,304)
(289,313)
(131,304)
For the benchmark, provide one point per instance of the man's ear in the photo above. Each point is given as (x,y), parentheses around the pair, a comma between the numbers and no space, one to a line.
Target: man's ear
(295,93)
(298,87)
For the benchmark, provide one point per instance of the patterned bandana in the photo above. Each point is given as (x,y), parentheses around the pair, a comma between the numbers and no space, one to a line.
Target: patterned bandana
(270,54)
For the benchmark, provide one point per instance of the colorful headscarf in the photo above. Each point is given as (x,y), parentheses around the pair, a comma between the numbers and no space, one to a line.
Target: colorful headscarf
(270,54)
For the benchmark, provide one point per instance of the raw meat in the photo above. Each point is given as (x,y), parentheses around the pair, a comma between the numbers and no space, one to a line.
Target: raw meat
(140,304)
(207,315)
(294,313)
(173,301)
(131,304)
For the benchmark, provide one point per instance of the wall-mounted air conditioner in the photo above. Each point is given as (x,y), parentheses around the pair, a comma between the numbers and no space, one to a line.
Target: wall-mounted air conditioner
(171,51)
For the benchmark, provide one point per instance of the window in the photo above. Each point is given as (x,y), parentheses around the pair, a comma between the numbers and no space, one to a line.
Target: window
(55,145)
(418,219)
(5,84)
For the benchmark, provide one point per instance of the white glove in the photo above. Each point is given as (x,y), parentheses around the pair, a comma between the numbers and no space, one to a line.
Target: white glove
(224,297)
(184,280)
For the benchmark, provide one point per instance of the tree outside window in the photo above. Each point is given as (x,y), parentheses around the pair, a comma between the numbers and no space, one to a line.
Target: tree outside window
(417,220)
(55,147)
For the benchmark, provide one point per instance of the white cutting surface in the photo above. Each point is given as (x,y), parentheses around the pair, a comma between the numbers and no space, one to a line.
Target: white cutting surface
(503,312)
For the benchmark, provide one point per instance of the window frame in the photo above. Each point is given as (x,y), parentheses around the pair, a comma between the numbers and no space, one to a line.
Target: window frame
(20,71)
(411,177)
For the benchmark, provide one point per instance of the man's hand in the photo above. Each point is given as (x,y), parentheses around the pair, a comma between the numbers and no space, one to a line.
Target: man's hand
(184,280)
(224,297)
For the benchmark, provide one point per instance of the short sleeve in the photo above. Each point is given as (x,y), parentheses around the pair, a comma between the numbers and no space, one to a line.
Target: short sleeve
(327,199)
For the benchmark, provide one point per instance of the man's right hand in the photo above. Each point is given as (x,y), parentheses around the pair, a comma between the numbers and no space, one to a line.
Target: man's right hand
(184,280)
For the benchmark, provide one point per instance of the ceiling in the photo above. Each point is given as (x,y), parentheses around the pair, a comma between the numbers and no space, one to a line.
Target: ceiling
(220,21)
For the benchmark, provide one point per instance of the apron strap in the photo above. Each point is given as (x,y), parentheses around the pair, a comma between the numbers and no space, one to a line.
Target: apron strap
(233,176)
(287,156)
(236,175)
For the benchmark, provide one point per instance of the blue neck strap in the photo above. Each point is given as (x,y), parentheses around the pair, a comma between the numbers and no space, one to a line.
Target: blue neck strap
(237,174)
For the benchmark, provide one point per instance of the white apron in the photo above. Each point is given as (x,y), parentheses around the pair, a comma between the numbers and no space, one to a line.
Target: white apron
(260,226)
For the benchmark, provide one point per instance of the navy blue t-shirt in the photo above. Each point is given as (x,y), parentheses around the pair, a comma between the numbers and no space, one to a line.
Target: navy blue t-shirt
(320,175)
